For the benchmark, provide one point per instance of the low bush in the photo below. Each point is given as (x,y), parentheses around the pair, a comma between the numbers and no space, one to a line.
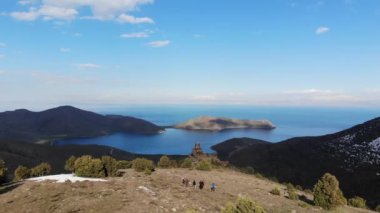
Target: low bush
(40,170)
(3,171)
(124,164)
(275,191)
(21,173)
(377,208)
(243,205)
(164,162)
(70,163)
(173,164)
(142,164)
(259,176)
(292,194)
(248,170)
(357,202)
(298,187)
(86,166)
(110,165)
(187,163)
(327,193)
(204,165)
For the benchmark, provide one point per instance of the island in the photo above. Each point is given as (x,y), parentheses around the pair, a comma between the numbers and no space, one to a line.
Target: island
(208,123)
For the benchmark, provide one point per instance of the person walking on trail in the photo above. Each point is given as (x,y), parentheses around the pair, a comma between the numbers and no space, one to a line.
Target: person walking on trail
(201,184)
(213,187)
(187,182)
(194,184)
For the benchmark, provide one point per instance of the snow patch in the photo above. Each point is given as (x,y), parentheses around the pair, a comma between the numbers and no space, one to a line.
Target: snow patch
(64,177)
(347,138)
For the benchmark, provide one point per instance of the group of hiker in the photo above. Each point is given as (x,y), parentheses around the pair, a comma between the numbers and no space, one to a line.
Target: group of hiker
(200,185)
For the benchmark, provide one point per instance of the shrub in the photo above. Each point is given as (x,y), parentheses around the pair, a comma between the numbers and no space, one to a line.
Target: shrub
(164,162)
(86,166)
(69,165)
(173,163)
(275,191)
(148,171)
(327,193)
(124,164)
(204,165)
(357,202)
(187,163)
(377,208)
(216,163)
(248,170)
(142,164)
(110,166)
(243,205)
(292,194)
(3,171)
(22,173)
(298,187)
(259,176)
(40,170)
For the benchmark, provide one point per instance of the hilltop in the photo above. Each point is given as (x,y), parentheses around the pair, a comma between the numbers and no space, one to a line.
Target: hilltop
(207,123)
(160,192)
(352,155)
(67,122)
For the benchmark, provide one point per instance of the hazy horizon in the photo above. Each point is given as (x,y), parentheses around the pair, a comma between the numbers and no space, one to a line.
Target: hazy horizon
(295,53)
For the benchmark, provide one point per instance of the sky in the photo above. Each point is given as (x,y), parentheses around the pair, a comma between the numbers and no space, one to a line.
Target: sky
(248,52)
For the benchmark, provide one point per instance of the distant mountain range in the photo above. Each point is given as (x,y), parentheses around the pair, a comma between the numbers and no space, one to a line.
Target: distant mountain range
(207,123)
(67,122)
(353,155)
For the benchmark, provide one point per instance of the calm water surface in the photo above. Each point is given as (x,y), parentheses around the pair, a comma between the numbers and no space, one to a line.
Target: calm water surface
(290,122)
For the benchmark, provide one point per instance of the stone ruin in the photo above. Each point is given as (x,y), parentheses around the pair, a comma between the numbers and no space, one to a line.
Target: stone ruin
(197,150)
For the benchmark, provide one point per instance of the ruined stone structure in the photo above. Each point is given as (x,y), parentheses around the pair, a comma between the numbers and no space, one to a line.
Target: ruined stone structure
(197,150)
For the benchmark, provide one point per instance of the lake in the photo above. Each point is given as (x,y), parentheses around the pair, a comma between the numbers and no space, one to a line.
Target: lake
(290,122)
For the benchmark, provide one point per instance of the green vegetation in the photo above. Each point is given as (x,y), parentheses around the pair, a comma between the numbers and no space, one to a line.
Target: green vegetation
(86,166)
(187,163)
(204,165)
(243,205)
(70,163)
(42,169)
(173,164)
(124,164)
(275,191)
(248,170)
(298,187)
(292,194)
(327,193)
(22,173)
(142,165)
(164,162)
(110,165)
(377,208)
(3,171)
(357,202)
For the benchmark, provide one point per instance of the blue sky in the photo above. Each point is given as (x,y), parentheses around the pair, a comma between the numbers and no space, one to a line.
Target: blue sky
(255,52)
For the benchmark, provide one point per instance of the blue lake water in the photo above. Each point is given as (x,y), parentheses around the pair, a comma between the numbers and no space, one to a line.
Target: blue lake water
(290,122)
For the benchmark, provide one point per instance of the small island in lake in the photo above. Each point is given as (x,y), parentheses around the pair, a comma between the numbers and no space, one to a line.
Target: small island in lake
(208,123)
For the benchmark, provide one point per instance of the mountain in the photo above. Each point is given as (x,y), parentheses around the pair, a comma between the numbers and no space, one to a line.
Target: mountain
(67,122)
(207,123)
(353,155)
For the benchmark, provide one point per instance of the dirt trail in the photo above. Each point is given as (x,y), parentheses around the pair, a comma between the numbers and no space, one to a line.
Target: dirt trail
(160,192)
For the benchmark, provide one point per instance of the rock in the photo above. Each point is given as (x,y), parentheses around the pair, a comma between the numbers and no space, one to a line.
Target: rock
(146,190)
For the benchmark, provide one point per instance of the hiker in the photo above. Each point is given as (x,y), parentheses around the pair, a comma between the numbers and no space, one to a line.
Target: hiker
(201,184)
(194,184)
(183,181)
(213,187)
(187,182)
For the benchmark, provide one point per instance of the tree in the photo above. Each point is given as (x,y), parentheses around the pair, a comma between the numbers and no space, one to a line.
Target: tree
(142,164)
(187,163)
(22,173)
(3,171)
(70,163)
(41,170)
(357,202)
(86,166)
(327,193)
(243,205)
(110,165)
(124,164)
(164,162)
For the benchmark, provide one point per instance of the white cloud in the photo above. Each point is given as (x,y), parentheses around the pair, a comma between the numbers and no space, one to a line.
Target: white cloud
(322,30)
(65,50)
(158,44)
(68,10)
(27,2)
(135,35)
(87,66)
(317,95)
(2,45)
(124,18)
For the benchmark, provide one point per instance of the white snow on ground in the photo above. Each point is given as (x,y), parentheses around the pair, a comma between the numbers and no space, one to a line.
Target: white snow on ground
(375,145)
(63,178)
